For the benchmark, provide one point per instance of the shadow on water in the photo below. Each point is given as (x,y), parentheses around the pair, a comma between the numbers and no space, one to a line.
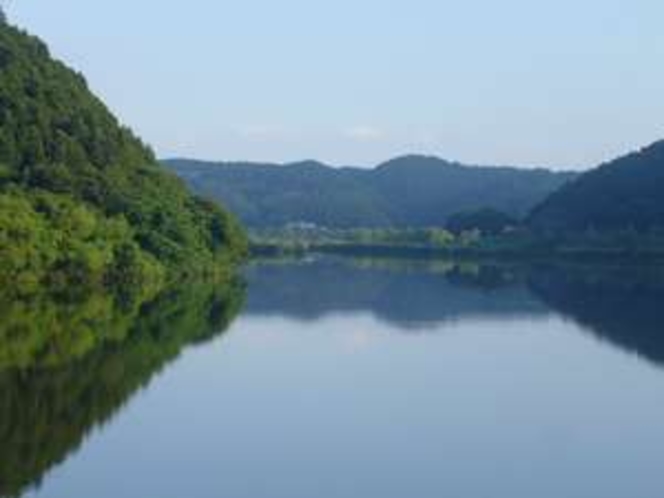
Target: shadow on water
(69,365)
(409,295)
(621,305)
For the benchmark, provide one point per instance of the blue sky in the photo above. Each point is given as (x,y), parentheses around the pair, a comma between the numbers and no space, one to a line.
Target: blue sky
(566,83)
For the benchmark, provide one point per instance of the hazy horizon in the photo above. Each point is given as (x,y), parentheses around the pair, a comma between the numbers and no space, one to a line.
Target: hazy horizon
(562,86)
(363,166)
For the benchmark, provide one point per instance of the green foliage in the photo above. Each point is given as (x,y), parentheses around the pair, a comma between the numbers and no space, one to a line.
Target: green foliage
(620,197)
(49,236)
(487,221)
(412,191)
(306,238)
(81,196)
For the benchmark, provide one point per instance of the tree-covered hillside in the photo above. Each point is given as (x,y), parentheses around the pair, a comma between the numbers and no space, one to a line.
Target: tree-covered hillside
(623,195)
(412,191)
(80,195)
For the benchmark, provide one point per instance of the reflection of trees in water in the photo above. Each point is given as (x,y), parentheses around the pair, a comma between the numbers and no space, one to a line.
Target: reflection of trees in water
(67,366)
(622,305)
(79,381)
(48,331)
(406,294)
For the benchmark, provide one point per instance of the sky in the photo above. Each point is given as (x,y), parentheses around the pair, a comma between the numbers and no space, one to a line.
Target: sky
(565,84)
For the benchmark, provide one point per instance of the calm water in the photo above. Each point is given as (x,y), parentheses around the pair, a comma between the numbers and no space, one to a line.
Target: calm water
(339,378)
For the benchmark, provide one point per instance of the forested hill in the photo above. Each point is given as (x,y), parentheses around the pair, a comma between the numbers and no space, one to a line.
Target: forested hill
(80,196)
(409,191)
(623,195)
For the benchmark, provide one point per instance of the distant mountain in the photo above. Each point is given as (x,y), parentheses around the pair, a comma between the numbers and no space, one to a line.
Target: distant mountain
(408,191)
(625,194)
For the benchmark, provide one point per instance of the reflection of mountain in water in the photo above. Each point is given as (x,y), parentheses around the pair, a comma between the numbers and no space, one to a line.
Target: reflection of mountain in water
(624,306)
(67,367)
(406,295)
(48,407)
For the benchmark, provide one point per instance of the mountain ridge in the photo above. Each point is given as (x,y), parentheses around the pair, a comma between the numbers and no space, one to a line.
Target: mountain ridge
(623,194)
(409,190)
(394,162)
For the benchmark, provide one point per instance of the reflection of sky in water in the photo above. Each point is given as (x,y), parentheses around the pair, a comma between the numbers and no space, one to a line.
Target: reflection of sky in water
(413,296)
(343,403)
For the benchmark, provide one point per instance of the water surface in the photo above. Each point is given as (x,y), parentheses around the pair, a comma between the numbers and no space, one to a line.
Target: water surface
(349,378)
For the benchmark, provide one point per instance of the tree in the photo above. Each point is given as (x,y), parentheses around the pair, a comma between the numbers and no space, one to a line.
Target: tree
(81,196)
(487,221)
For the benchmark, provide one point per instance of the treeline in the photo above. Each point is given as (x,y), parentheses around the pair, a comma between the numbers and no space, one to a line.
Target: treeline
(613,211)
(408,192)
(302,237)
(622,196)
(80,196)
(463,231)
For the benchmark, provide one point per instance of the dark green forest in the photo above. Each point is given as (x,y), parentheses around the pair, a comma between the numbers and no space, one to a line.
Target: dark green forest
(488,221)
(81,198)
(623,195)
(615,210)
(408,192)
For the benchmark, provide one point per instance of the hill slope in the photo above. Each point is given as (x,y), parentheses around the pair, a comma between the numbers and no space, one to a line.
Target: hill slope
(410,191)
(625,194)
(80,195)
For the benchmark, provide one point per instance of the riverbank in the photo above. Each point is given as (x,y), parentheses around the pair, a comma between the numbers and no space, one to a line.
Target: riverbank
(542,251)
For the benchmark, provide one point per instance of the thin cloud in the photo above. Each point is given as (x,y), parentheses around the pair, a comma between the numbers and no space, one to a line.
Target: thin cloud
(365,133)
